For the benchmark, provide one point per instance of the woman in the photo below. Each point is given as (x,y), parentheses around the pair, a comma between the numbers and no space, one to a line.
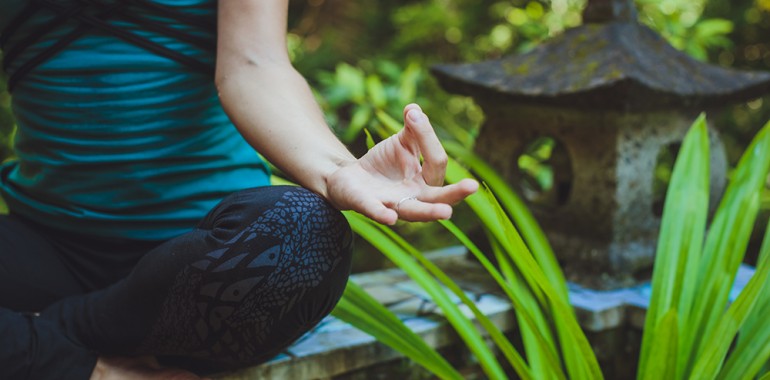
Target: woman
(141,221)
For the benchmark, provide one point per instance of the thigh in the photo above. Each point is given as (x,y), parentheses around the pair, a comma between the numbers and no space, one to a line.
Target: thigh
(32,274)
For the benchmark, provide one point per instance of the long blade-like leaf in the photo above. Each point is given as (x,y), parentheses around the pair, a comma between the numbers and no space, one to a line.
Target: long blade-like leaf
(364,312)
(727,240)
(537,353)
(752,350)
(679,244)
(579,358)
(497,336)
(663,358)
(454,315)
(719,340)
(525,314)
(523,219)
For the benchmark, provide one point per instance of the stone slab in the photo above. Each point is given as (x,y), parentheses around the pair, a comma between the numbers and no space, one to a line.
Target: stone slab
(388,294)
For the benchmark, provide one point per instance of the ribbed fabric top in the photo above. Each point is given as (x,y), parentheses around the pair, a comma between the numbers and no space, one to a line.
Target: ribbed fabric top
(116,141)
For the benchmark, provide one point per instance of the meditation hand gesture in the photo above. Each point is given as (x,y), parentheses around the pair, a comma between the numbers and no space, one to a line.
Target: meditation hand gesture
(390,183)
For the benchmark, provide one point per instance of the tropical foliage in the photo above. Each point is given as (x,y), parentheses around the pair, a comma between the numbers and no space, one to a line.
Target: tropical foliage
(689,326)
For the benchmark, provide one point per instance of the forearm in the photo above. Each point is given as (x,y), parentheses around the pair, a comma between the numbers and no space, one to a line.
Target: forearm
(273,108)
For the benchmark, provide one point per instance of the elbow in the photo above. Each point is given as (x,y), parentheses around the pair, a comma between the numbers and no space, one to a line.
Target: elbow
(227,70)
(236,70)
(220,80)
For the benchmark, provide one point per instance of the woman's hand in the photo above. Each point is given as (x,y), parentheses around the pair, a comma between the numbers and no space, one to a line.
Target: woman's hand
(389,183)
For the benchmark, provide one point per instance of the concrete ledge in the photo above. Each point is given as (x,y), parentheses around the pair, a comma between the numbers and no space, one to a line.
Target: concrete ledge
(335,348)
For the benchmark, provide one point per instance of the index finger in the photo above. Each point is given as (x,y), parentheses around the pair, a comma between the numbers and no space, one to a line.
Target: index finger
(433,154)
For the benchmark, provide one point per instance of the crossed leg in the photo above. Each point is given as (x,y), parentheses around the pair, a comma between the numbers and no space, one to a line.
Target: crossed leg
(259,271)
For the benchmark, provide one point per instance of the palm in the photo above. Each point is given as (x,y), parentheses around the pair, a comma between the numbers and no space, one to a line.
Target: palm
(391,172)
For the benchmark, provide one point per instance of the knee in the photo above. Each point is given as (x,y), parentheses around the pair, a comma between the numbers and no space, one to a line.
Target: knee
(316,243)
(309,212)
(277,277)
(308,227)
(288,237)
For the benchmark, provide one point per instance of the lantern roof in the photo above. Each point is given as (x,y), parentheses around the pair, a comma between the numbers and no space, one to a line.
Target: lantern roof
(612,61)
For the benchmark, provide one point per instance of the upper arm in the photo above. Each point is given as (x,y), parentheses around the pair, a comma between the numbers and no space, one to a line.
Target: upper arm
(250,32)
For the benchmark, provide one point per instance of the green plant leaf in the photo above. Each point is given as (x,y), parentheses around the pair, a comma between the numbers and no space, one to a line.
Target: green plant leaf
(751,351)
(392,126)
(727,240)
(679,247)
(352,79)
(369,140)
(578,355)
(718,341)
(485,208)
(408,83)
(454,315)
(713,27)
(497,336)
(376,91)
(537,349)
(359,119)
(662,364)
(515,207)
(527,316)
(364,312)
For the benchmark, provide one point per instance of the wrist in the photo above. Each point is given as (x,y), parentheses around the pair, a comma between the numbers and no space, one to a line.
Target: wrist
(330,179)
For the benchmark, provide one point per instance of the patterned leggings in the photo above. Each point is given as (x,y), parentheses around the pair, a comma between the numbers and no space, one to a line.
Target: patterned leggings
(262,268)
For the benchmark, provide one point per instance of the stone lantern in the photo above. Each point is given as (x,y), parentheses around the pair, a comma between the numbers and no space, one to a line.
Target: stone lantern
(612,95)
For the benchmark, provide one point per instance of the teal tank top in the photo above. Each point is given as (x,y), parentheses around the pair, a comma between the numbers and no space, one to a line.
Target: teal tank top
(116,141)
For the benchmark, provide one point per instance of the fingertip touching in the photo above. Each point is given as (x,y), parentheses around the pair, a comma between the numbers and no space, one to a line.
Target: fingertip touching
(390,217)
(438,211)
(445,213)
(384,215)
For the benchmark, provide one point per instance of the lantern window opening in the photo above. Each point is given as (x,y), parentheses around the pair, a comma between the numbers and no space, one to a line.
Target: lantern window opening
(545,170)
(664,167)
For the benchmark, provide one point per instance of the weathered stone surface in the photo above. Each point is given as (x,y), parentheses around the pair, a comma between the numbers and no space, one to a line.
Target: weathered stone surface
(599,311)
(382,277)
(387,294)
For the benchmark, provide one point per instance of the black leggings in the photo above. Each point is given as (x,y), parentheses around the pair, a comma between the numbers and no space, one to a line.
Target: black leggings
(261,269)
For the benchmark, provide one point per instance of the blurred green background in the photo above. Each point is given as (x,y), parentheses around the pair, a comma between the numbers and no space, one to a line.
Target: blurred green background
(367,58)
